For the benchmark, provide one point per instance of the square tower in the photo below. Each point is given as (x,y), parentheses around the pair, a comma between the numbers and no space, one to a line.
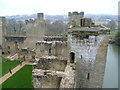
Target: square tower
(2,32)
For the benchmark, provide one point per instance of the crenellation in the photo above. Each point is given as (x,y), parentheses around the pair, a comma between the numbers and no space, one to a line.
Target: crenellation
(78,20)
(40,16)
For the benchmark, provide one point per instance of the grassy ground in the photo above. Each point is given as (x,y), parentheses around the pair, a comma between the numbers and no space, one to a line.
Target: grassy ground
(21,79)
(113,32)
(100,22)
(6,64)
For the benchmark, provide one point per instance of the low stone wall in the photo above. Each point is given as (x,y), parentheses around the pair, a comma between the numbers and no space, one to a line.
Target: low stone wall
(46,81)
(51,64)
(60,79)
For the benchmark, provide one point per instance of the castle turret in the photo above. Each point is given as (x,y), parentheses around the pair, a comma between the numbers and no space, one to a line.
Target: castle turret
(78,20)
(81,14)
(40,16)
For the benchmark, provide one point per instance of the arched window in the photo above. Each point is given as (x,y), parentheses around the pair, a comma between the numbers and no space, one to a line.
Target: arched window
(72,57)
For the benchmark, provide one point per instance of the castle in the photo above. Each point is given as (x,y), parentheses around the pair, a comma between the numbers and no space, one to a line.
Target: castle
(73,61)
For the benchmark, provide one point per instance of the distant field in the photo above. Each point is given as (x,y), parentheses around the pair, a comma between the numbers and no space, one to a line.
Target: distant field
(100,22)
(113,32)
(21,79)
(6,64)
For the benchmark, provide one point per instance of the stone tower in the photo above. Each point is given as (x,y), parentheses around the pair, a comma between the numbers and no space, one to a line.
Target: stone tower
(40,16)
(2,32)
(77,20)
(85,44)
(35,30)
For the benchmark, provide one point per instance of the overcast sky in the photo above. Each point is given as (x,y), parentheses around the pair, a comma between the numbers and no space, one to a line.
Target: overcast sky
(53,7)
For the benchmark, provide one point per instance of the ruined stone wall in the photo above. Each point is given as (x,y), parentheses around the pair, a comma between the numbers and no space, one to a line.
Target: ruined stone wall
(49,80)
(26,55)
(43,48)
(53,73)
(53,48)
(85,58)
(12,47)
(35,30)
(51,68)
(46,81)
(13,44)
(10,43)
(51,63)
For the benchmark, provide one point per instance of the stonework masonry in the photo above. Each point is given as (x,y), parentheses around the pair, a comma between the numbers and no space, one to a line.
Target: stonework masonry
(55,48)
(10,43)
(86,54)
(52,64)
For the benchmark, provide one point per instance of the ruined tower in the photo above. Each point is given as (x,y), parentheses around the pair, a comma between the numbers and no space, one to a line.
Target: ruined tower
(35,29)
(40,16)
(84,46)
(77,20)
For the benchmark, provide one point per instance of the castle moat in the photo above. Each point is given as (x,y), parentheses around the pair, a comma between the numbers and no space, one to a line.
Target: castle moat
(112,65)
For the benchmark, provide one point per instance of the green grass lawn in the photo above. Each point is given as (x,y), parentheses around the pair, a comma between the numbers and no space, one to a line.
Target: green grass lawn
(6,65)
(21,79)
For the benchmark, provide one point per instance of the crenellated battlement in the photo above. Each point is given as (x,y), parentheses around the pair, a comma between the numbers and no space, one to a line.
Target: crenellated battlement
(40,18)
(78,20)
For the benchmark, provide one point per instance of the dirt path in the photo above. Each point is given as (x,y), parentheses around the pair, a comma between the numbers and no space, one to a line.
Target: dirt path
(6,76)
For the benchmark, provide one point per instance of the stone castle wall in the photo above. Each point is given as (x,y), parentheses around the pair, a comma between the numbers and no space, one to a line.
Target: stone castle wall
(47,81)
(35,30)
(51,48)
(51,63)
(85,58)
